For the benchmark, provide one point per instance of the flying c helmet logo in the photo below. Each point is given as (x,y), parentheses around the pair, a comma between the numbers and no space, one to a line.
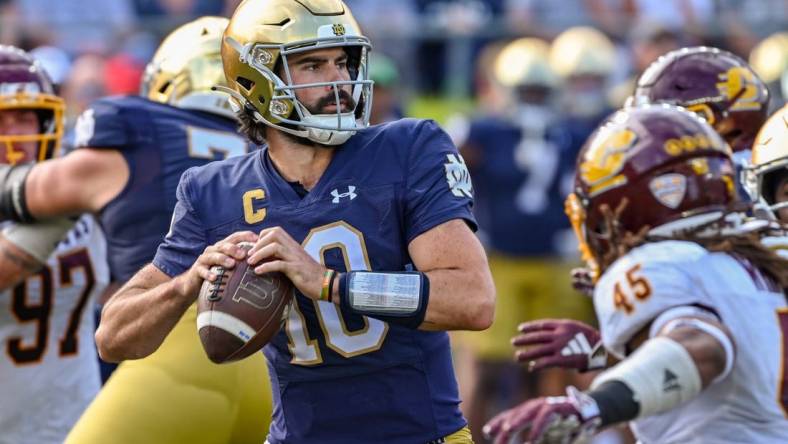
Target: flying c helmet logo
(737,85)
(604,160)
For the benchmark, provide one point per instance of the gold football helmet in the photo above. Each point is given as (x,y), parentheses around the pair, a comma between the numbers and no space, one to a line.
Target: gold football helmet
(262,35)
(769,58)
(524,62)
(187,65)
(582,51)
(769,159)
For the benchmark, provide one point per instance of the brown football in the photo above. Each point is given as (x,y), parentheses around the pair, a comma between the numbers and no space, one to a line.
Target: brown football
(239,313)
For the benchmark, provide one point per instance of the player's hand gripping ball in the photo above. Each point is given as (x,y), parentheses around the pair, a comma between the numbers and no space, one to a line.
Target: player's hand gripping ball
(241,311)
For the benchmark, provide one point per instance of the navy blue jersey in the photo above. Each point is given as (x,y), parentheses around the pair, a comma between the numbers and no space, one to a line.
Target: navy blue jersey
(520,182)
(159,143)
(343,378)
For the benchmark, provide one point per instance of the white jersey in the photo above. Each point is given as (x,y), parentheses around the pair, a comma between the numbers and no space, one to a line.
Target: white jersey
(750,405)
(49,369)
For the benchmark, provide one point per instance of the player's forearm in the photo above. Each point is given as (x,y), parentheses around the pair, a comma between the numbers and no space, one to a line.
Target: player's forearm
(460,299)
(441,299)
(666,371)
(137,319)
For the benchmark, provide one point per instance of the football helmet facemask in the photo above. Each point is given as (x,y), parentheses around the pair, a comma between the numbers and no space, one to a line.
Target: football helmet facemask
(24,85)
(263,34)
(187,65)
(769,160)
(719,86)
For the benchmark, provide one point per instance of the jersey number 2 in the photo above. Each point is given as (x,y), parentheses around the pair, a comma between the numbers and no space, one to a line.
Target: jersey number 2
(305,351)
(40,312)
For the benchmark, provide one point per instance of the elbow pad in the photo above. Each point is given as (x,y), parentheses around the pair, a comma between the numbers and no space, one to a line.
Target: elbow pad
(661,374)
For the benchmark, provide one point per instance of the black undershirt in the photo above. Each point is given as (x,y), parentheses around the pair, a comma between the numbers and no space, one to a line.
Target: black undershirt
(298,188)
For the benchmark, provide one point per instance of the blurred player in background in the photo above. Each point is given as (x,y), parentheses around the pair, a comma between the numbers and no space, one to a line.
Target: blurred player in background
(49,372)
(685,76)
(387,105)
(131,152)
(517,170)
(584,58)
(769,58)
(327,192)
(177,122)
(718,86)
(688,297)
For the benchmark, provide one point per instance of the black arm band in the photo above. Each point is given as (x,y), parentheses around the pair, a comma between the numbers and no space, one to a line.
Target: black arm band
(616,402)
(396,297)
(13,205)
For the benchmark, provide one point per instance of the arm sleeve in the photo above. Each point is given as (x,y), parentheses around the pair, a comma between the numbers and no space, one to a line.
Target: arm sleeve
(438,185)
(103,125)
(186,239)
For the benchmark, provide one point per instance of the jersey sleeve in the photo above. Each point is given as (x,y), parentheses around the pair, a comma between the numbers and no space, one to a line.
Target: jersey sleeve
(642,285)
(103,125)
(186,239)
(438,185)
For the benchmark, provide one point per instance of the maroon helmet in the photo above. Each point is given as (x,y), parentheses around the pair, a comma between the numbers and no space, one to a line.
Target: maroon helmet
(24,85)
(716,84)
(667,163)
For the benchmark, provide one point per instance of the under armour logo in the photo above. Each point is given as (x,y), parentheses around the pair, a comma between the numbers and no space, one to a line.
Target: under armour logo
(670,382)
(337,195)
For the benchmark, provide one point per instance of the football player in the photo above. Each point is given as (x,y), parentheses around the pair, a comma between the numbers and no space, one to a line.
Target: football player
(130,153)
(517,168)
(717,85)
(769,58)
(584,58)
(49,369)
(372,225)
(689,299)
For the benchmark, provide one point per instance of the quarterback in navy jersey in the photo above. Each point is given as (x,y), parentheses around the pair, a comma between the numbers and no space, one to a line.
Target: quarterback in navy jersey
(327,201)
(130,153)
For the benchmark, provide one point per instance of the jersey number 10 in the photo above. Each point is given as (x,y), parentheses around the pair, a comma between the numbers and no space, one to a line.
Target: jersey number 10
(305,351)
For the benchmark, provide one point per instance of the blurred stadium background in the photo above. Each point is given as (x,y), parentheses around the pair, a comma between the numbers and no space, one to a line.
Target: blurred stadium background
(442,59)
(96,47)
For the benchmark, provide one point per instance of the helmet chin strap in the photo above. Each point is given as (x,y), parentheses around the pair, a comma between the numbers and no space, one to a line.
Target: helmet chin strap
(329,137)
